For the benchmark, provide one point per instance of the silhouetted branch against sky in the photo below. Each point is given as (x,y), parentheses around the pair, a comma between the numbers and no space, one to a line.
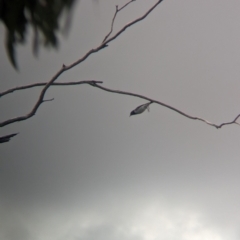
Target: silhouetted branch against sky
(114,17)
(96,83)
(66,68)
(107,39)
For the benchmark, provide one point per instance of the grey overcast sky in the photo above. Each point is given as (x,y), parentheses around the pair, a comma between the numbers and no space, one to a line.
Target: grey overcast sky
(82,169)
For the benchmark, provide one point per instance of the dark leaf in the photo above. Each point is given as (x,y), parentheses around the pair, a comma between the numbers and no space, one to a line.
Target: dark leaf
(10,42)
(7,138)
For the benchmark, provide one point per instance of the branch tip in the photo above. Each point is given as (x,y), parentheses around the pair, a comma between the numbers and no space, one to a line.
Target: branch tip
(48,100)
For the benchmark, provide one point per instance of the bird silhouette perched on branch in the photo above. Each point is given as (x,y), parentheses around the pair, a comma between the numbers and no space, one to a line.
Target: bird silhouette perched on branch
(140,109)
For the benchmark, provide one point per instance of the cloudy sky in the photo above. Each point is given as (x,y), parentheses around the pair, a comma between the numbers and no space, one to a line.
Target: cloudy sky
(82,169)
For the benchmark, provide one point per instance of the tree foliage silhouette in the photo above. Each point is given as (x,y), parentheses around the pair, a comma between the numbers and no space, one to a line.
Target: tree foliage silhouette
(42,16)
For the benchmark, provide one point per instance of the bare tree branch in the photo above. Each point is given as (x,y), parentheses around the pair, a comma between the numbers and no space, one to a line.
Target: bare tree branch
(43,84)
(168,106)
(65,68)
(133,22)
(95,83)
(115,14)
(114,17)
(48,100)
(126,5)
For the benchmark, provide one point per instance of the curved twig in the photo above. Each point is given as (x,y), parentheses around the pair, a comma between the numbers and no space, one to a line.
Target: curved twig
(43,84)
(133,22)
(115,14)
(96,83)
(114,17)
(170,107)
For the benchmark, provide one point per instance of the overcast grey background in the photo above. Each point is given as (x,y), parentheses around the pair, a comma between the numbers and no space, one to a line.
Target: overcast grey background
(82,169)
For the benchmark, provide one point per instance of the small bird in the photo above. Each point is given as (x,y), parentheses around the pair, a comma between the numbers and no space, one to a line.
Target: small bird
(140,109)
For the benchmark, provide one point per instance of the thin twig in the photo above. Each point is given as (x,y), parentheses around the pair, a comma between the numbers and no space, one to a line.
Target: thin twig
(65,68)
(126,5)
(96,83)
(117,10)
(115,14)
(48,100)
(133,22)
(170,107)
(43,84)
(40,99)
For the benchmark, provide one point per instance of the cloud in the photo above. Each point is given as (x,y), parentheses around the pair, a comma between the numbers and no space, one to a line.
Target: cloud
(129,218)
(13,226)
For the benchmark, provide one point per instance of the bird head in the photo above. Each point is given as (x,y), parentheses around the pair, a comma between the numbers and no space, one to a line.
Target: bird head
(132,113)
